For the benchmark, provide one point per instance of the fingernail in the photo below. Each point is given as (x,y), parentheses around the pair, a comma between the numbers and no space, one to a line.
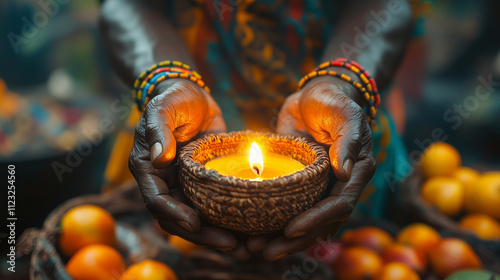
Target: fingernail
(297,234)
(348,164)
(155,151)
(185,225)
(278,257)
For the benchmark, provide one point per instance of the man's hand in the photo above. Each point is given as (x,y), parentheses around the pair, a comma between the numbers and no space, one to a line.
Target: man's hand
(180,111)
(326,111)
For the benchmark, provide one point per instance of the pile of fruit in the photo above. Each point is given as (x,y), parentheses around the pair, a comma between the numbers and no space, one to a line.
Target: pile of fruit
(461,192)
(88,239)
(417,251)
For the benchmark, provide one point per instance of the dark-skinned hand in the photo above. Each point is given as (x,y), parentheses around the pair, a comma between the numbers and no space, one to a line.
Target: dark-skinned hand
(326,111)
(179,111)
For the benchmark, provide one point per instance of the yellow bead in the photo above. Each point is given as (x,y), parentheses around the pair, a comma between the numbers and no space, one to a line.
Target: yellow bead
(151,88)
(345,77)
(165,63)
(364,79)
(324,65)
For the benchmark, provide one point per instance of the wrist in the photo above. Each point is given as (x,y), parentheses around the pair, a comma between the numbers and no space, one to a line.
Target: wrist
(163,86)
(149,83)
(343,86)
(187,87)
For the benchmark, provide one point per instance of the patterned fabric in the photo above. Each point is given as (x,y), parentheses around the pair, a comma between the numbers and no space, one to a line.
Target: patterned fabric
(258,49)
(252,54)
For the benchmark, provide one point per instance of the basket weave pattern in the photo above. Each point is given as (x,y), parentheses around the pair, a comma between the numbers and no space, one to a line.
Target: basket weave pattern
(247,206)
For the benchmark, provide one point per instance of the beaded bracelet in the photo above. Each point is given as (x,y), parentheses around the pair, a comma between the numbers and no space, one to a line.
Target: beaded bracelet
(147,81)
(369,90)
(355,67)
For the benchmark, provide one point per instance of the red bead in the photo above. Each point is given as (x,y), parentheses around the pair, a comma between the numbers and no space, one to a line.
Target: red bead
(337,63)
(356,64)
(374,85)
(377,100)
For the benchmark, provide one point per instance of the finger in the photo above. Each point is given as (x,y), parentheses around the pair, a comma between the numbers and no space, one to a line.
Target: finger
(241,253)
(347,144)
(258,242)
(283,246)
(207,236)
(289,119)
(159,137)
(215,122)
(155,191)
(338,206)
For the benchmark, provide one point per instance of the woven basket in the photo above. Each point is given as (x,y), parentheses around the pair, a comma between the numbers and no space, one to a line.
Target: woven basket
(488,250)
(247,206)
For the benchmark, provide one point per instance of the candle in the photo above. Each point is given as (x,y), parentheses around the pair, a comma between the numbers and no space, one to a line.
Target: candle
(255,165)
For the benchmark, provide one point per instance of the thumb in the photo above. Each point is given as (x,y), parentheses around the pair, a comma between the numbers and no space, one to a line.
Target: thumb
(160,139)
(162,148)
(345,149)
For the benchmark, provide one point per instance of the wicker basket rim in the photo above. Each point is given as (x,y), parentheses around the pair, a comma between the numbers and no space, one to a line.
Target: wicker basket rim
(294,180)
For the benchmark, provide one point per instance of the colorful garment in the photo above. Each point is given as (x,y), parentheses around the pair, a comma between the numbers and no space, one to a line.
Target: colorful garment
(252,55)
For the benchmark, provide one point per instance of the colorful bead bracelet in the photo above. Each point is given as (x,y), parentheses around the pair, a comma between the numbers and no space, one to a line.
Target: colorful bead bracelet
(368,90)
(355,67)
(147,81)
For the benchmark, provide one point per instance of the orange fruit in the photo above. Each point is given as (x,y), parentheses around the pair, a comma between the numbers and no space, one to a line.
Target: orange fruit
(482,225)
(451,255)
(149,270)
(85,225)
(419,236)
(357,263)
(413,258)
(445,193)
(484,197)
(440,159)
(467,176)
(369,237)
(183,245)
(96,262)
(397,271)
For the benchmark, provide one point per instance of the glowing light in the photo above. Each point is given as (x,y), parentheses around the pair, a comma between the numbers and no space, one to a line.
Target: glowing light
(255,159)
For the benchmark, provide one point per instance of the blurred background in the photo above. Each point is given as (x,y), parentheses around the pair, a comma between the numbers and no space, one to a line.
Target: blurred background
(58,92)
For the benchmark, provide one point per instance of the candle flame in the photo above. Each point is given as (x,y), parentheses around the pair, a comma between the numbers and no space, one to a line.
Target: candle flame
(255,159)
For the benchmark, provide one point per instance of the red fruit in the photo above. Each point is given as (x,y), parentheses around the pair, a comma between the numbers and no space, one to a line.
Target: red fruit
(452,255)
(358,263)
(413,258)
(369,237)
